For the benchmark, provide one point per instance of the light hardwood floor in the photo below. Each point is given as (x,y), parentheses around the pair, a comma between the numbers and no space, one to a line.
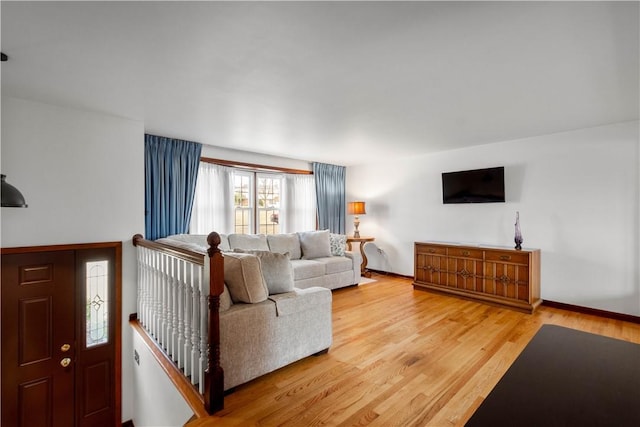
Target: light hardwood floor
(400,357)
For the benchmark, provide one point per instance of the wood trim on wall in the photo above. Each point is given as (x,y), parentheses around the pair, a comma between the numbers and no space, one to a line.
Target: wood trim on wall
(118,331)
(593,311)
(389,273)
(188,391)
(51,248)
(254,166)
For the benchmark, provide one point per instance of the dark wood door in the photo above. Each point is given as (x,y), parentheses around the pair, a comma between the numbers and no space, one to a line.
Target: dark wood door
(95,367)
(60,364)
(38,339)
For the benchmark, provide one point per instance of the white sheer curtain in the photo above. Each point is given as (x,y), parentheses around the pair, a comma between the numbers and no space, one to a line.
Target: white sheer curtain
(213,202)
(299,203)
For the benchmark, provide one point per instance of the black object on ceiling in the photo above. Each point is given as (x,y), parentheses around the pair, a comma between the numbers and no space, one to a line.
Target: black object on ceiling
(3,57)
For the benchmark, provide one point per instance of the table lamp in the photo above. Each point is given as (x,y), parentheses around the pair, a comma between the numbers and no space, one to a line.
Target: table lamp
(356,208)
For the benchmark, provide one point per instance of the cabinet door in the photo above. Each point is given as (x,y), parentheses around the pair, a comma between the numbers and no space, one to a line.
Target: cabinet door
(431,265)
(464,269)
(507,276)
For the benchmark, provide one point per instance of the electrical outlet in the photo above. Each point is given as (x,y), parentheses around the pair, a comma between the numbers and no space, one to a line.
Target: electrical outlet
(136,357)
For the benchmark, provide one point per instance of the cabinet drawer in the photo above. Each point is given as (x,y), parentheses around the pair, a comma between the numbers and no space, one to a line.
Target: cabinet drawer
(465,253)
(431,250)
(514,257)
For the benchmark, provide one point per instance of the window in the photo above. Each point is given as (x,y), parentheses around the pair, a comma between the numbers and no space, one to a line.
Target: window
(243,202)
(238,200)
(268,209)
(97,302)
(263,209)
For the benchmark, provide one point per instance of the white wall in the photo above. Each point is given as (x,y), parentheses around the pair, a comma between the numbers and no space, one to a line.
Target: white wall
(158,403)
(577,194)
(82,175)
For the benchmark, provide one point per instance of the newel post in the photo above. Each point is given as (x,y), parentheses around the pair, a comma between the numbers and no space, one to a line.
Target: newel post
(214,376)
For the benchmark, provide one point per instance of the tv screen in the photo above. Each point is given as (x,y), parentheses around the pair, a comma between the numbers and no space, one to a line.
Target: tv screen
(473,186)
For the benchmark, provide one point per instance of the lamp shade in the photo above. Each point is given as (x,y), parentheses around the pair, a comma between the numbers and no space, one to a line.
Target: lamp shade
(356,208)
(11,196)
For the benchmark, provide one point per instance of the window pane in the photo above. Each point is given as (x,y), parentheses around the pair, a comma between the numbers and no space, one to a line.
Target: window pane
(242,190)
(243,221)
(97,304)
(268,193)
(243,202)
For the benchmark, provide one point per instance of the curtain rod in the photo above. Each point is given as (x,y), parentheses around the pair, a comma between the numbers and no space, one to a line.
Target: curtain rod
(254,166)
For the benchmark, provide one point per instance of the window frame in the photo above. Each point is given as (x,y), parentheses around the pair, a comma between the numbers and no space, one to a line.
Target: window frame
(269,224)
(242,210)
(254,172)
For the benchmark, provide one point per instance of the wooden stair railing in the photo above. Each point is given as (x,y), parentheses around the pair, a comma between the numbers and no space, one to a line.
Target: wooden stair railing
(214,376)
(178,306)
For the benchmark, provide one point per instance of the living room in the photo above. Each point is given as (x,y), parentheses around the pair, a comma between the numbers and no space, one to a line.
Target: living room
(79,161)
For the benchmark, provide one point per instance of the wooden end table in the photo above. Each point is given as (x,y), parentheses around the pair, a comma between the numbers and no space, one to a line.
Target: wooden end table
(363,241)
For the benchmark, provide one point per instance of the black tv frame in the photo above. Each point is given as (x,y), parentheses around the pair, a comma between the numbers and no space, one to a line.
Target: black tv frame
(474,186)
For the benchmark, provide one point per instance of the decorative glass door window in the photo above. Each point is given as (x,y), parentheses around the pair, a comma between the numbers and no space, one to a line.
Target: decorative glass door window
(97,304)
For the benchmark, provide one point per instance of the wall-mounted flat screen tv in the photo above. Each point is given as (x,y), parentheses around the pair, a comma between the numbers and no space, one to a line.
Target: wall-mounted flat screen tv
(473,186)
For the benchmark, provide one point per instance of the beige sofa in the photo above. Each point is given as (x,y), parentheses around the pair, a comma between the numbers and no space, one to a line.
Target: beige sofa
(276,306)
(318,258)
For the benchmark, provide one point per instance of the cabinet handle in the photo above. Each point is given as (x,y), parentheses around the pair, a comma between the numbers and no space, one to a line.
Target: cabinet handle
(505,257)
(466,253)
(432,250)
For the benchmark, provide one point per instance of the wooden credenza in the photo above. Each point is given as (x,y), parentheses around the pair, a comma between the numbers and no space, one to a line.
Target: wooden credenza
(502,276)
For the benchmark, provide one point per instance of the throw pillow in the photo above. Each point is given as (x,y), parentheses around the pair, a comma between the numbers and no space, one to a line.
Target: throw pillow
(249,242)
(338,243)
(315,244)
(244,279)
(282,243)
(225,300)
(277,271)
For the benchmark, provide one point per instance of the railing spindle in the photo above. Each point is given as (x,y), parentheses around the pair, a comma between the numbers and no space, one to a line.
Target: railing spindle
(179,307)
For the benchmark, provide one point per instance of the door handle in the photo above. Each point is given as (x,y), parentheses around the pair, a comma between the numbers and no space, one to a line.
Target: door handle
(65,362)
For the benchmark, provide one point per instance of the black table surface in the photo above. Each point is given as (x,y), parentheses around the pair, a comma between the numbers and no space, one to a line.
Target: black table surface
(566,377)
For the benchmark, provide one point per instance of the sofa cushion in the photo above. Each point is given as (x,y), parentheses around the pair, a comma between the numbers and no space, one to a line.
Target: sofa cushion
(314,244)
(224,243)
(301,300)
(276,270)
(225,300)
(243,276)
(338,244)
(248,242)
(307,268)
(282,243)
(336,264)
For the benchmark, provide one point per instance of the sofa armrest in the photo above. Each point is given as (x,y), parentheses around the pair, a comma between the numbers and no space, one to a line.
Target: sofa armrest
(355,256)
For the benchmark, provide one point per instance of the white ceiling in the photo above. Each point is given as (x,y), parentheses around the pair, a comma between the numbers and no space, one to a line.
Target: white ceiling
(336,82)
